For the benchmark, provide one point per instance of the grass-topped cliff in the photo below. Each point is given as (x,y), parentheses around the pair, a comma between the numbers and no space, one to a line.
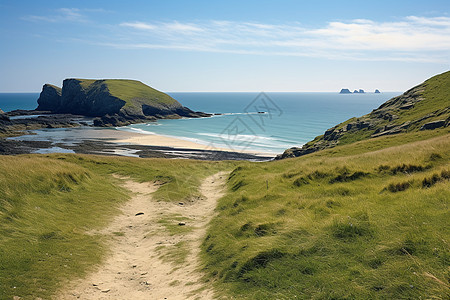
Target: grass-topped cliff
(364,220)
(424,107)
(114,101)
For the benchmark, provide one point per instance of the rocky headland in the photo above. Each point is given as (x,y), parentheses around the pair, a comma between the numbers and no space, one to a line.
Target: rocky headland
(424,107)
(112,102)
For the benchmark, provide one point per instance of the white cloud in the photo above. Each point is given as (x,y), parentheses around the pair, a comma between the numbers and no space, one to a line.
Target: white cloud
(138,25)
(62,15)
(412,38)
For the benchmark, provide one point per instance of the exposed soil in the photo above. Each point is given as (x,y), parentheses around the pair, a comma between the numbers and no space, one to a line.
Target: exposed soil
(154,248)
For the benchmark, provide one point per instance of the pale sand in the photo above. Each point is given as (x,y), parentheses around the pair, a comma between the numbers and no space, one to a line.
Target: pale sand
(138,265)
(134,138)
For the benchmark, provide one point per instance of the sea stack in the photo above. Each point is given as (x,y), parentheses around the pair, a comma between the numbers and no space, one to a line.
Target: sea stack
(377,91)
(361,91)
(345,91)
(355,92)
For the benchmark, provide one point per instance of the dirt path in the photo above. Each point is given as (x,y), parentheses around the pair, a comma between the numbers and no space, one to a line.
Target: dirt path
(153,255)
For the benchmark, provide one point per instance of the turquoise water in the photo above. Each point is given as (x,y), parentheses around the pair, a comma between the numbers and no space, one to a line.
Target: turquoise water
(290,119)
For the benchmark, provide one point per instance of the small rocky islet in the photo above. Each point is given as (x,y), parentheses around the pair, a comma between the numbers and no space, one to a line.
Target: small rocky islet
(359,91)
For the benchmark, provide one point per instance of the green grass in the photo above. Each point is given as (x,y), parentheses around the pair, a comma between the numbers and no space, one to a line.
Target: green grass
(171,224)
(48,204)
(365,226)
(45,208)
(175,254)
(130,91)
(367,219)
(434,106)
(437,95)
(362,221)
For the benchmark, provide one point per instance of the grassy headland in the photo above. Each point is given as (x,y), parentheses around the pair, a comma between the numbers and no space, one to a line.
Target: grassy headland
(129,90)
(366,219)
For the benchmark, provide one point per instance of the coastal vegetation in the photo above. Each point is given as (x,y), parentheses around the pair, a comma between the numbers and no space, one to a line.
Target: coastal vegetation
(364,219)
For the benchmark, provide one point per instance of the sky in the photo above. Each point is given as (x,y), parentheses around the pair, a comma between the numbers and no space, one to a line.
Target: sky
(187,46)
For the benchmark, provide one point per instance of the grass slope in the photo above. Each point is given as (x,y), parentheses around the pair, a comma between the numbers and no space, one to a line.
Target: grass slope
(427,102)
(342,226)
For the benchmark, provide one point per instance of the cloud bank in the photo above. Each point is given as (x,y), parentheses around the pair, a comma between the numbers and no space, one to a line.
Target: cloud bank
(412,38)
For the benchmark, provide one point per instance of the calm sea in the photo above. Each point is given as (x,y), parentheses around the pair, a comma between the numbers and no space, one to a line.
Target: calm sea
(259,122)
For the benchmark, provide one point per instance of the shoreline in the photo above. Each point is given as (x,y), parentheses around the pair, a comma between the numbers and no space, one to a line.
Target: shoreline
(27,132)
(109,141)
(154,139)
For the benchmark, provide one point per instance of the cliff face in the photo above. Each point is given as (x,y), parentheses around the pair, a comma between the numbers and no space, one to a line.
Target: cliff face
(115,102)
(424,107)
(93,100)
(50,98)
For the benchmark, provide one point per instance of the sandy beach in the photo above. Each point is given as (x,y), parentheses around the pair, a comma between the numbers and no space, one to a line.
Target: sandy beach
(135,138)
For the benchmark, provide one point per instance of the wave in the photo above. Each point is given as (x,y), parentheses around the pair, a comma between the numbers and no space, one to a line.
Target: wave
(132,129)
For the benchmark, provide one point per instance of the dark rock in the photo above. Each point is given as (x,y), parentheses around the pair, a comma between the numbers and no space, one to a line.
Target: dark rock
(345,91)
(361,91)
(181,224)
(50,98)
(433,125)
(3,116)
(377,91)
(355,92)
(139,214)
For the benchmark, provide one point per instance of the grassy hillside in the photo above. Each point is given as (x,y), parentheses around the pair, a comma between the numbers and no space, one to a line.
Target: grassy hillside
(329,225)
(409,112)
(343,226)
(365,220)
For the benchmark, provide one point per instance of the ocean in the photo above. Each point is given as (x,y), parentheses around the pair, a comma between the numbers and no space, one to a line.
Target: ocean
(259,122)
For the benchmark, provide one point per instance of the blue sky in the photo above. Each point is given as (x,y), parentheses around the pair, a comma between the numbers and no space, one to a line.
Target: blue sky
(225,45)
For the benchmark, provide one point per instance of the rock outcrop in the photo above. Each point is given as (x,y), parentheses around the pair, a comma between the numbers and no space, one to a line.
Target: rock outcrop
(377,91)
(345,91)
(50,98)
(414,110)
(3,116)
(115,102)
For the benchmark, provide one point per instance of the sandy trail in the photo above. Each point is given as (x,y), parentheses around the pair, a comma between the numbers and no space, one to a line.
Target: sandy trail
(153,255)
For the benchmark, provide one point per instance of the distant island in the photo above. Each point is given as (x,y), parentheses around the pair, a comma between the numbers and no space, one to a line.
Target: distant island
(115,102)
(359,91)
